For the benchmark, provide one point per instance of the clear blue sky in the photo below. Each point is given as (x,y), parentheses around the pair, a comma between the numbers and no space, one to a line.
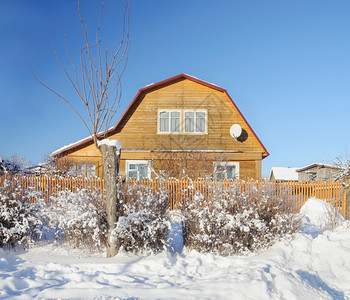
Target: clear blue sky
(286,64)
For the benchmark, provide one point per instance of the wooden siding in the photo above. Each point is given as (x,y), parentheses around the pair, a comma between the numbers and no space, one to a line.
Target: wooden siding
(138,130)
(250,165)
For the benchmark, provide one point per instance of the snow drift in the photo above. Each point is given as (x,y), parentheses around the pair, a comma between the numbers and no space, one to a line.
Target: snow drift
(315,264)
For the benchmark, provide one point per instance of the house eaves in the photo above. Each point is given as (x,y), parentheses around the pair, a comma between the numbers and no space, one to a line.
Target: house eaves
(149,88)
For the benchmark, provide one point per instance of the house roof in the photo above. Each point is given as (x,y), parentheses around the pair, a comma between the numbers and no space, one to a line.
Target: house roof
(283,173)
(147,89)
(317,165)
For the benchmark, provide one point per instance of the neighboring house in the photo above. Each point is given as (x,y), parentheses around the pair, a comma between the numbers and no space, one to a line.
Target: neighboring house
(316,172)
(283,174)
(176,116)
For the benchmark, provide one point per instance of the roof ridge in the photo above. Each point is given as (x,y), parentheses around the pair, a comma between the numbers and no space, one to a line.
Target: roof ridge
(148,88)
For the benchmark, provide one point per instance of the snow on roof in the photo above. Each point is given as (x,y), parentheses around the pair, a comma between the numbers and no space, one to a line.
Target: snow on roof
(77,143)
(149,84)
(283,173)
(108,142)
(317,165)
(194,77)
(185,76)
(69,146)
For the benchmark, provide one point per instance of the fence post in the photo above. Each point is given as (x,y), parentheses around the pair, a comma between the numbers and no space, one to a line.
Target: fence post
(347,199)
(336,193)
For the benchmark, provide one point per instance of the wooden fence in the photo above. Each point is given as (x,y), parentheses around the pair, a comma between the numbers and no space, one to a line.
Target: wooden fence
(293,194)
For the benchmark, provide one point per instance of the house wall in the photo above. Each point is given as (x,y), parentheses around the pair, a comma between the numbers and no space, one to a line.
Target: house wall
(249,166)
(272,176)
(138,131)
(316,174)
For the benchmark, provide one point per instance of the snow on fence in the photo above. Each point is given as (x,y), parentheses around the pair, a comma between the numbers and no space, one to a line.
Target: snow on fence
(182,191)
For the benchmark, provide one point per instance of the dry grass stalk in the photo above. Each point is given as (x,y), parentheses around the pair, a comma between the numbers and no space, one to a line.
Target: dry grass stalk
(189,164)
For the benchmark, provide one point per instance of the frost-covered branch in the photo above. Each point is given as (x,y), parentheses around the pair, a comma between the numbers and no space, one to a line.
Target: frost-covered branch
(343,164)
(98,86)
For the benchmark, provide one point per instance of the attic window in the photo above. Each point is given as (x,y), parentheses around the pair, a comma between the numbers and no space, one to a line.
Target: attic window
(195,121)
(169,121)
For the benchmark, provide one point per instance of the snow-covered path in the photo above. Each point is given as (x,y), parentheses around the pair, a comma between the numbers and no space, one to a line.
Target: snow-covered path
(313,265)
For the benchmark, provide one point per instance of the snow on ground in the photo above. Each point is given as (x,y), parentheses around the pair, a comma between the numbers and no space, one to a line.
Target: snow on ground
(314,265)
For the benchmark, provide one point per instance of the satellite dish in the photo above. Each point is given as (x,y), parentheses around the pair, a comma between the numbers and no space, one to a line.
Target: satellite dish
(235,131)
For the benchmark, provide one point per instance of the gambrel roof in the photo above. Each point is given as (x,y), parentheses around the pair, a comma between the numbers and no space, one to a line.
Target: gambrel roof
(150,88)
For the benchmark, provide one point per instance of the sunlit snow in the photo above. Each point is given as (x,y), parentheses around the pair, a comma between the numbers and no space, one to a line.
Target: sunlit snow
(315,264)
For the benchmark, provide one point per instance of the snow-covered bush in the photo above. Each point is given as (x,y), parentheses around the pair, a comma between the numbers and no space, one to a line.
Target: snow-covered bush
(21,221)
(322,214)
(14,165)
(234,223)
(80,218)
(144,221)
(342,168)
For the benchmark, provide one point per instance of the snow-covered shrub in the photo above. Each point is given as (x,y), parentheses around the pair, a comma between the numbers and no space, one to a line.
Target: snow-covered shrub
(144,223)
(322,214)
(80,218)
(14,165)
(21,221)
(341,169)
(233,223)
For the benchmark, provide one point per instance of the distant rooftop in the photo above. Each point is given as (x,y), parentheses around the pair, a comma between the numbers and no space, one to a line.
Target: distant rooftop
(283,173)
(317,165)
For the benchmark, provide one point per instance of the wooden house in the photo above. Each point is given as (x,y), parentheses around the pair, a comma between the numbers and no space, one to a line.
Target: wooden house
(317,172)
(178,117)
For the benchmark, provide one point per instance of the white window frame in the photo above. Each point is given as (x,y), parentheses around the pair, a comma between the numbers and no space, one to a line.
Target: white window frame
(226,164)
(72,170)
(90,170)
(169,124)
(85,169)
(195,121)
(136,161)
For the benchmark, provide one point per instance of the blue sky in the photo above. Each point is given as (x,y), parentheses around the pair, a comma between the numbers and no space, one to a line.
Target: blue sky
(286,64)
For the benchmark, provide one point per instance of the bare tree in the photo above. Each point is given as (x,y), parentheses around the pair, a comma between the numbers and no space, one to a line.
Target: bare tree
(343,164)
(343,174)
(185,164)
(97,83)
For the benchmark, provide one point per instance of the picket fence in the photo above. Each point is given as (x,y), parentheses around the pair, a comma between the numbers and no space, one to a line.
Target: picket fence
(182,191)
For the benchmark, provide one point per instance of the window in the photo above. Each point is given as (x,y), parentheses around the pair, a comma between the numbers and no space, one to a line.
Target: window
(72,170)
(226,170)
(90,170)
(195,121)
(311,175)
(84,170)
(169,121)
(137,169)
(81,170)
